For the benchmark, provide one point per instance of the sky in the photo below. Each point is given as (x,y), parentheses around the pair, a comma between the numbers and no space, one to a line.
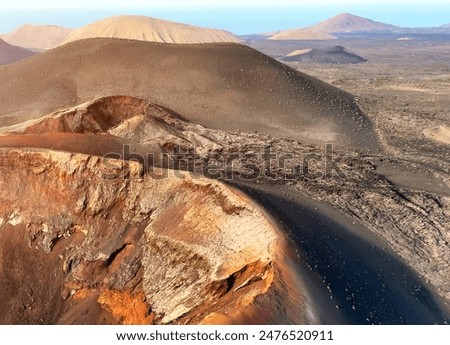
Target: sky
(238,16)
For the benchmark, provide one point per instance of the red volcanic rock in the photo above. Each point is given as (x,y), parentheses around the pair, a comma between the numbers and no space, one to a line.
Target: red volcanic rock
(77,247)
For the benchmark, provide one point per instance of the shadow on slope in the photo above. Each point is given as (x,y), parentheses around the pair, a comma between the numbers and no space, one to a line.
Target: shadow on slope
(349,275)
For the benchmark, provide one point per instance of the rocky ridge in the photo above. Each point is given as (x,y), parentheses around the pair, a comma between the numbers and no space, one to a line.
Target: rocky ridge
(168,245)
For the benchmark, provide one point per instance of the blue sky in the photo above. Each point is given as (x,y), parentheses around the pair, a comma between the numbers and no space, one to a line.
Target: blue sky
(238,16)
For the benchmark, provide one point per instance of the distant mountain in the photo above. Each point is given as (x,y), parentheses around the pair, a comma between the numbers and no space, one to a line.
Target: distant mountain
(39,37)
(150,29)
(333,55)
(341,23)
(446,25)
(10,53)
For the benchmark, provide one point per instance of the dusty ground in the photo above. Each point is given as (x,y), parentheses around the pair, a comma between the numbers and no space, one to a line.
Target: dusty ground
(403,88)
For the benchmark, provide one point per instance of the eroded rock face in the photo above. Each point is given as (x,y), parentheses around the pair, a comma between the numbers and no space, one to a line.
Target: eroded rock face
(82,248)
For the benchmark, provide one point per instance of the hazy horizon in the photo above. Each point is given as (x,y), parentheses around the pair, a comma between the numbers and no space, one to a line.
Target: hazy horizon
(239,19)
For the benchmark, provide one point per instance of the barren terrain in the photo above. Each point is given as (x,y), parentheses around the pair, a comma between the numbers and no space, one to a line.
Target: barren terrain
(120,161)
(223,85)
(414,229)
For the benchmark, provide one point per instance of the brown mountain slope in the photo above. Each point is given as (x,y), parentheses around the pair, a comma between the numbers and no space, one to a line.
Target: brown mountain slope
(150,29)
(10,53)
(105,243)
(343,22)
(39,37)
(224,86)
